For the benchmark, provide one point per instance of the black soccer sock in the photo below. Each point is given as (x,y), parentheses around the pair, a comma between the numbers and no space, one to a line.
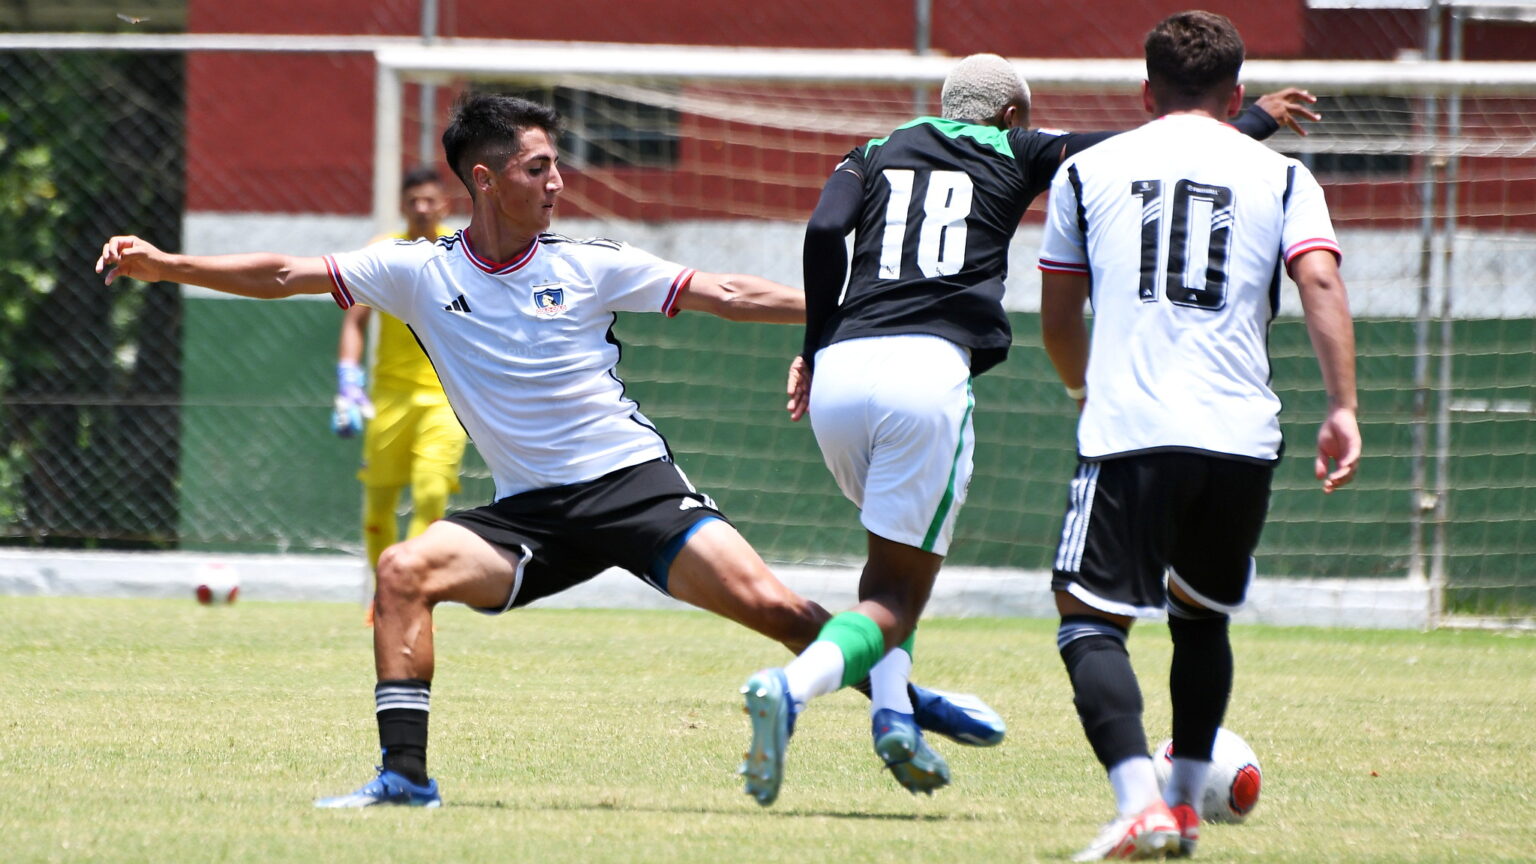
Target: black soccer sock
(402,706)
(1200,677)
(1106,694)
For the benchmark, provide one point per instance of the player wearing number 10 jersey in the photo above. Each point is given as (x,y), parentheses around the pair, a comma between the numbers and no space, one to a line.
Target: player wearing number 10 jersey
(934,205)
(1178,232)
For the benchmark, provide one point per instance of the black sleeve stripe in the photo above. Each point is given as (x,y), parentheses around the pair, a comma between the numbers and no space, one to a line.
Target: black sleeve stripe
(1274,282)
(1077,189)
(1274,289)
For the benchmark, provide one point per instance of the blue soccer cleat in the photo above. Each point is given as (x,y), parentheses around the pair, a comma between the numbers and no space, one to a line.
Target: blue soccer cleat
(899,743)
(388,788)
(960,717)
(772,712)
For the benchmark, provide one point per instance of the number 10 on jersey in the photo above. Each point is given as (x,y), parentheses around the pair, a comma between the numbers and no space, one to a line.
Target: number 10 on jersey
(1185,232)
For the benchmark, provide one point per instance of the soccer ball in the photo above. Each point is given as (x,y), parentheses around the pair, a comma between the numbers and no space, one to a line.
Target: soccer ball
(217,584)
(1231,787)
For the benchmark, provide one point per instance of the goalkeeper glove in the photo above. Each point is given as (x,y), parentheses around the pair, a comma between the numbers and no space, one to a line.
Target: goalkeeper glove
(352,404)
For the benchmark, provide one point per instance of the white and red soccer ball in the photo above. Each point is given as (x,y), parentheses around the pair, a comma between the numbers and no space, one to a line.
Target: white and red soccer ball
(218,583)
(1233,784)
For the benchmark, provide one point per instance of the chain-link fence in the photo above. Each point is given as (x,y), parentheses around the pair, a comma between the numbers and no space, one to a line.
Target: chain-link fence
(162,417)
(89,442)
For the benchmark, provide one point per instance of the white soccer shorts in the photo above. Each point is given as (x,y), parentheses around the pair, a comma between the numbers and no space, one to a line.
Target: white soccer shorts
(892,415)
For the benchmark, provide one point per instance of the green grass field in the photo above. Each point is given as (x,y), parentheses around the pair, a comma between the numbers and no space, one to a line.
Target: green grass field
(148,730)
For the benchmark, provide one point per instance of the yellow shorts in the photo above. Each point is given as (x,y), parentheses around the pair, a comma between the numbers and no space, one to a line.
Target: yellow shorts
(411,431)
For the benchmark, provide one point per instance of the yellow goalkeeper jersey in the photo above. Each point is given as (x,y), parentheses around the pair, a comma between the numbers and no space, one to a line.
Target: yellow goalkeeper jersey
(398,361)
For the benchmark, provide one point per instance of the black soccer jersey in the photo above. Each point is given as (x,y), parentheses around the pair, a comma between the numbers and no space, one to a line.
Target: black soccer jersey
(942,199)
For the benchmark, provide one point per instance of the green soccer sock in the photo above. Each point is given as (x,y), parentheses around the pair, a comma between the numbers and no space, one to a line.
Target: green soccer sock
(859,639)
(842,655)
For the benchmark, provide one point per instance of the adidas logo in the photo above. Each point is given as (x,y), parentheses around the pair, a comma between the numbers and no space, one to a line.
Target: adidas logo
(459,304)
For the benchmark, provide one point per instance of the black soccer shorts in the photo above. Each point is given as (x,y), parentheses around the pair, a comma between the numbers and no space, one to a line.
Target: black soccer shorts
(566,535)
(1131,519)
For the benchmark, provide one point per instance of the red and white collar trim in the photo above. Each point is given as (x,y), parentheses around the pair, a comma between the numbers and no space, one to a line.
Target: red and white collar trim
(516,262)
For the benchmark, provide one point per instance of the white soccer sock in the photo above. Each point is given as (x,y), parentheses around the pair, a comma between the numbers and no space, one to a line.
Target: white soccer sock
(888,682)
(1135,784)
(1186,782)
(816,672)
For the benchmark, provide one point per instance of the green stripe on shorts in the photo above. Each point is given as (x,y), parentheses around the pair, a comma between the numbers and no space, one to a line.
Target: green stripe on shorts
(948,501)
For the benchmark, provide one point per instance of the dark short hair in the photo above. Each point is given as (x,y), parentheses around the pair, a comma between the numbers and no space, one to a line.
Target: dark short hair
(1192,56)
(484,128)
(421,175)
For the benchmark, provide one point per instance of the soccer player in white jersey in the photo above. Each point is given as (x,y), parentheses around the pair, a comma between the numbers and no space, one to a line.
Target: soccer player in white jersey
(517,322)
(1178,232)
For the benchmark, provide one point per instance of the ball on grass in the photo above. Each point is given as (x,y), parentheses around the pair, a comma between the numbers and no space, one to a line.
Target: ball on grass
(1231,787)
(217,584)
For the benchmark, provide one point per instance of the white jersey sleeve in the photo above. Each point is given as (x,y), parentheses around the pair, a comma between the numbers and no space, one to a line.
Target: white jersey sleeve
(1307,226)
(628,279)
(380,275)
(1063,249)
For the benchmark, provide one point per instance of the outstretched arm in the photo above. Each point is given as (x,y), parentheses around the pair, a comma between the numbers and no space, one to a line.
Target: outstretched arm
(1258,121)
(1326,306)
(739,297)
(1286,108)
(261,275)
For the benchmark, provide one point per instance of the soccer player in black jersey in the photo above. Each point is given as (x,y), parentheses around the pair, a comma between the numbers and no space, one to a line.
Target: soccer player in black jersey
(933,206)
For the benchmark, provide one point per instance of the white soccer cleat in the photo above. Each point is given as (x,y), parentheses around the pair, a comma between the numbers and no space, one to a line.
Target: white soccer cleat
(770,709)
(1152,833)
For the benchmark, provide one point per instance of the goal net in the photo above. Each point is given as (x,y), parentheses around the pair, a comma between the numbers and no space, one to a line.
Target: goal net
(163,417)
(714,159)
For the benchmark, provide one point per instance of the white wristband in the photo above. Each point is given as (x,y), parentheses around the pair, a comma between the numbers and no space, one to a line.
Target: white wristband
(1077,393)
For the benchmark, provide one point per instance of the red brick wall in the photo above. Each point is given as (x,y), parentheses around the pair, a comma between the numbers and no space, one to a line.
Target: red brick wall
(293,133)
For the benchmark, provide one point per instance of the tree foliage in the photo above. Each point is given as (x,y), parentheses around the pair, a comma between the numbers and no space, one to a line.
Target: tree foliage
(90,146)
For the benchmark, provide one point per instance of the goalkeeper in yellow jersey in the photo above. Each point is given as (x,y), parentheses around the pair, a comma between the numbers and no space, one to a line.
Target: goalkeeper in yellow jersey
(410,434)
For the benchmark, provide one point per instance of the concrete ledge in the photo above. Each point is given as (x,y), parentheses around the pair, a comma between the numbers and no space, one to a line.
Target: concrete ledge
(961,591)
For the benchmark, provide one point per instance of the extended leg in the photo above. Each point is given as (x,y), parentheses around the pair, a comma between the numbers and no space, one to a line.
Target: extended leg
(448,562)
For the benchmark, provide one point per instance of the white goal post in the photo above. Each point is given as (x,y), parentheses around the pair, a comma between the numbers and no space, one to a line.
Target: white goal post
(450,61)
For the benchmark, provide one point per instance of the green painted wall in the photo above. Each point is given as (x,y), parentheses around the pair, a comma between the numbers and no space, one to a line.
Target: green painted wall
(262,471)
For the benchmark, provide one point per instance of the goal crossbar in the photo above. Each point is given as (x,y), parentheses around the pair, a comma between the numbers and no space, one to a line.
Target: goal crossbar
(450,60)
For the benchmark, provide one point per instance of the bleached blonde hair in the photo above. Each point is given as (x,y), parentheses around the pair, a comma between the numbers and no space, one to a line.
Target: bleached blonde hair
(980,86)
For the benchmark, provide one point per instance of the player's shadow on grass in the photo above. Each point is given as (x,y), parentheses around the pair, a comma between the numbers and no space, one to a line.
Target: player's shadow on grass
(616,807)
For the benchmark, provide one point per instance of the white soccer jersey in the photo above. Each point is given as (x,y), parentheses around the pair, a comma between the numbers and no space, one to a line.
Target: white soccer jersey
(523,347)
(1183,226)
